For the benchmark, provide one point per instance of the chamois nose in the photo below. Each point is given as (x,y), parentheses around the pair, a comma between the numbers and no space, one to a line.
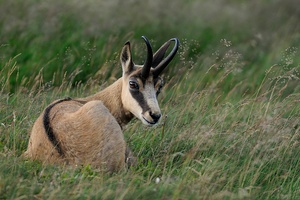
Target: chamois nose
(155,116)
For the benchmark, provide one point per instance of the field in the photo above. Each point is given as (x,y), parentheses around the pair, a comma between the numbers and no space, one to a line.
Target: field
(231,103)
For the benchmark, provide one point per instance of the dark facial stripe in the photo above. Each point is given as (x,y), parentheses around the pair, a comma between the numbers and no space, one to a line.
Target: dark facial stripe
(48,128)
(158,88)
(138,96)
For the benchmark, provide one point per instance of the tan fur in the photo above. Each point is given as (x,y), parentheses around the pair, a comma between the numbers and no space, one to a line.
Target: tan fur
(88,133)
(89,130)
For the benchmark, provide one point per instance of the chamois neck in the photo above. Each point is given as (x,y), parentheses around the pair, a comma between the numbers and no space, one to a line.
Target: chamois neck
(111,98)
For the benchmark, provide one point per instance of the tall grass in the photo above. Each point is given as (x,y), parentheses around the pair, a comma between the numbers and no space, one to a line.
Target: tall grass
(231,108)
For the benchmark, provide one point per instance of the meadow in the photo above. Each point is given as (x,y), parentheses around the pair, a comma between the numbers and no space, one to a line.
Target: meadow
(231,102)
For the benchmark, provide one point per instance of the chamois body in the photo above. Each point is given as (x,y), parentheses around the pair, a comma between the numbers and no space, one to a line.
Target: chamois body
(89,130)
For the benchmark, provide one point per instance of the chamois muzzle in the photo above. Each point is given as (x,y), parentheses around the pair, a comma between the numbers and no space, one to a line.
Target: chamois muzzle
(148,62)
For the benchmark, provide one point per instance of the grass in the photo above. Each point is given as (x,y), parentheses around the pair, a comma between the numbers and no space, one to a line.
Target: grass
(231,101)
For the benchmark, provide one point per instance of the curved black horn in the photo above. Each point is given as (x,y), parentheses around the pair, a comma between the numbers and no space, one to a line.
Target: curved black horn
(148,62)
(162,65)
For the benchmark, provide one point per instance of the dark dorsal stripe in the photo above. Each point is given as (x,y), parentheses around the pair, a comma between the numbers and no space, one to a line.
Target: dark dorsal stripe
(48,128)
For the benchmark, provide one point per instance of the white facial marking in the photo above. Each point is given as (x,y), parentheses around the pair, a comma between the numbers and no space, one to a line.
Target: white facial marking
(148,110)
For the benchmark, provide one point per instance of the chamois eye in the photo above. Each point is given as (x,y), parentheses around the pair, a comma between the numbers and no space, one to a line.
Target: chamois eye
(159,85)
(133,85)
(158,90)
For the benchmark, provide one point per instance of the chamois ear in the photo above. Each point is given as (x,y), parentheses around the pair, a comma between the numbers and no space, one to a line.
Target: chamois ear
(160,54)
(126,59)
(158,68)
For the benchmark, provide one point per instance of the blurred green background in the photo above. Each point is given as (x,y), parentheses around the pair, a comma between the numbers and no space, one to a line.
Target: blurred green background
(81,40)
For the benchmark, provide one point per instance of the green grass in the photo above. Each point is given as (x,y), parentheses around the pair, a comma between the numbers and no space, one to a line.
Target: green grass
(231,126)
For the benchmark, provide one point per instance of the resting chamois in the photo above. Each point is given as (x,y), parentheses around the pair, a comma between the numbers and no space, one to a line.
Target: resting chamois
(89,130)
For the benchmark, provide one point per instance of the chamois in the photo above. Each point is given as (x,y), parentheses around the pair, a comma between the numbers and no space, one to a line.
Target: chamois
(89,130)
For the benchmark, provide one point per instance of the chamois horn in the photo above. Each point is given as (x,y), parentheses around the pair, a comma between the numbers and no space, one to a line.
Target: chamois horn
(148,62)
(162,65)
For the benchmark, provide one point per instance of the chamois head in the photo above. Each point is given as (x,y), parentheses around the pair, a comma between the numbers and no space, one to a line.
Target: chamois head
(142,84)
